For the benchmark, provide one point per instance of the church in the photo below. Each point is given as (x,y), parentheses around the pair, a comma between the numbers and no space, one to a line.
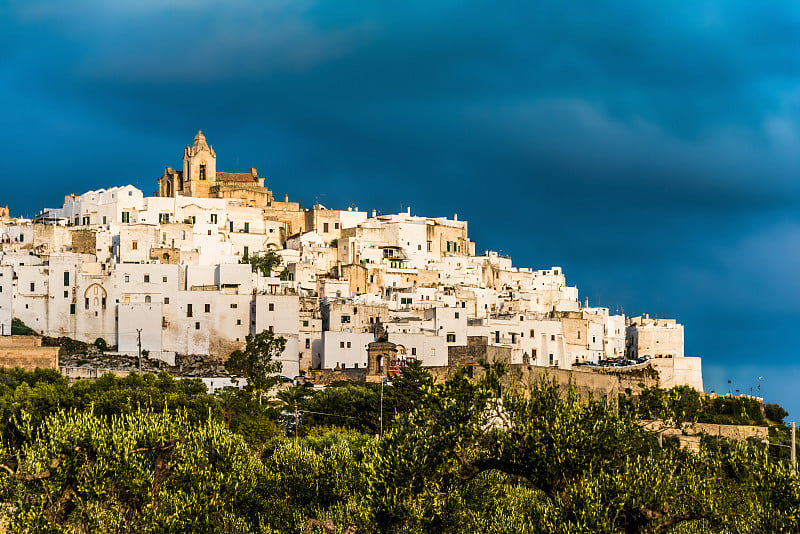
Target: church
(199,178)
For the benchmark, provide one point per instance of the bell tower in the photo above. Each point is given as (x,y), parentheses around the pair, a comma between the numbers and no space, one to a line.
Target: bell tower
(199,167)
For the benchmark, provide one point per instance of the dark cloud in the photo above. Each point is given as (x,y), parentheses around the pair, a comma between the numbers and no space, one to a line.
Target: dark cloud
(652,150)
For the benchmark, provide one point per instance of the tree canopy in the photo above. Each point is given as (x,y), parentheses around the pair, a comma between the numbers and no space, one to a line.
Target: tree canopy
(258,362)
(148,453)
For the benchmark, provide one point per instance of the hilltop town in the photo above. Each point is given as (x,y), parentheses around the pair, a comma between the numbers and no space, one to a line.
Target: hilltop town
(212,257)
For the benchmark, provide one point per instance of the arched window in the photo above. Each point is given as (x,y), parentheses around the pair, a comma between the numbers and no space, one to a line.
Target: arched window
(147,299)
(167,189)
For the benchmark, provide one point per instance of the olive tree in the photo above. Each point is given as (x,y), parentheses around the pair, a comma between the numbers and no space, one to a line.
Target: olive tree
(258,362)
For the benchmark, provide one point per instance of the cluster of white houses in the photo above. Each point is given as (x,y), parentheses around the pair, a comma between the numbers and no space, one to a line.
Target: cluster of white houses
(168,271)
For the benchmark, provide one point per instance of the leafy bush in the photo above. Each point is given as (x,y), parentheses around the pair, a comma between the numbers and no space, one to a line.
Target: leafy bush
(101,344)
(775,413)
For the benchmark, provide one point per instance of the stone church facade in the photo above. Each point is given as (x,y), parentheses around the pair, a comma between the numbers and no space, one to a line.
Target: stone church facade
(199,178)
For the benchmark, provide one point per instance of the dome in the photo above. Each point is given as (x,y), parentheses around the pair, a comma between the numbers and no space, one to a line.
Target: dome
(200,145)
(200,139)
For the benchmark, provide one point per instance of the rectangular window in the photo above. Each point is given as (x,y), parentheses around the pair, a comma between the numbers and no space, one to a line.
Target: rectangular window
(341,344)
(188,310)
(345,319)
(533,334)
(213,218)
(413,351)
(497,337)
(456,315)
(451,337)
(147,279)
(208,308)
(66,278)
(305,323)
(134,245)
(271,307)
(552,337)
(72,309)
(230,226)
(238,322)
(234,305)
(127,278)
(246,227)
(197,326)
(164,279)
(246,252)
(86,303)
(104,219)
(33,286)
(66,293)
(325,227)
(348,344)
(166,300)
(126,217)
(308,343)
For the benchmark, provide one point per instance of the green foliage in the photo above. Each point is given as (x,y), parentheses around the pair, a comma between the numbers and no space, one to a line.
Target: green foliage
(259,361)
(684,404)
(137,472)
(147,453)
(290,400)
(263,263)
(775,413)
(347,404)
(18,328)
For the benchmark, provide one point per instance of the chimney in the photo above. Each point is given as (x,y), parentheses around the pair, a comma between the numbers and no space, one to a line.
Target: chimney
(286,197)
(455,216)
(374,213)
(253,172)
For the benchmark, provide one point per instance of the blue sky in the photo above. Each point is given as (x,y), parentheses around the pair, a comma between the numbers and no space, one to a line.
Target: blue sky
(651,149)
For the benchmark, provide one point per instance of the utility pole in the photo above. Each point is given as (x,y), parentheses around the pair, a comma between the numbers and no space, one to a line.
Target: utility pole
(794,451)
(139,338)
(383,380)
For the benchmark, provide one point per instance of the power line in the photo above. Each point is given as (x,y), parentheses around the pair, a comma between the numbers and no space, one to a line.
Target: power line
(330,414)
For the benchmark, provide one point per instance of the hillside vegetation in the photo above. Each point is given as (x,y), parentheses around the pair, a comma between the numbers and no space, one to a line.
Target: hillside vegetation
(148,453)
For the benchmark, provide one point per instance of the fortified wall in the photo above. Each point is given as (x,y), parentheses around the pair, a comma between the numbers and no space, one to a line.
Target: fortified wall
(27,352)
